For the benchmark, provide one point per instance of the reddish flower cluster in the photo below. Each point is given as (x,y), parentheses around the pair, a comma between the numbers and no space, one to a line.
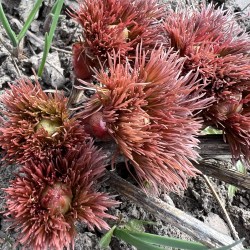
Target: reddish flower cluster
(218,50)
(56,186)
(148,100)
(147,109)
(46,198)
(111,26)
(38,123)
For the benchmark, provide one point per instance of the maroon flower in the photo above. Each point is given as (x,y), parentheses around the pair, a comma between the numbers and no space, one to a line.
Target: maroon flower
(218,50)
(232,115)
(47,198)
(114,25)
(213,44)
(38,123)
(147,109)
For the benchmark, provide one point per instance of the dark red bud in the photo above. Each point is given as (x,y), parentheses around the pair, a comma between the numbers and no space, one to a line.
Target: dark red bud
(96,126)
(81,62)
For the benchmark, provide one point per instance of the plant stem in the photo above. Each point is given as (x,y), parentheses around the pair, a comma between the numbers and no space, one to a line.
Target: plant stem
(29,20)
(49,37)
(7,27)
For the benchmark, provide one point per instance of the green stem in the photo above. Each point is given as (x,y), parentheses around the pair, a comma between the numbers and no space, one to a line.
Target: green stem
(11,34)
(49,38)
(29,20)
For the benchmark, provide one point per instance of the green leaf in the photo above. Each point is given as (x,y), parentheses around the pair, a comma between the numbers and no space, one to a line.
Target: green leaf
(240,167)
(49,39)
(231,191)
(124,235)
(29,20)
(138,225)
(45,52)
(230,246)
(211,131)
(54,7)
(11,34)
(168,241)
(106,238)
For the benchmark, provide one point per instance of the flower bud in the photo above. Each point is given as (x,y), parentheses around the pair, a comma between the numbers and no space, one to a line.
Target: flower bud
(50,126)
(124,34)
(96,126)
(81,62)
(57,198)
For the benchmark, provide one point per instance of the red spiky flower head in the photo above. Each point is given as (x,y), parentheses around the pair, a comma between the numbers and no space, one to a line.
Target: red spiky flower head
(219,51)
(114,25)
(213,43)
(147,110)
(37,123)
(47,198)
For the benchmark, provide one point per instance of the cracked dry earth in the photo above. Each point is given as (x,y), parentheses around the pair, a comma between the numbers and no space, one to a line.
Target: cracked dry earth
(197,200)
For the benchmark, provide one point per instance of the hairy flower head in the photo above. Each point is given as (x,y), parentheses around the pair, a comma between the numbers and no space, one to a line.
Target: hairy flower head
(214,45)
(37,123)
(114,25)
(147,110)
(218,50)
(47,198)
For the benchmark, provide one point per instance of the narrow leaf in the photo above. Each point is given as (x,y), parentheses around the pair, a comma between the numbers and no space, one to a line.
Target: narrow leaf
(211,131)
(11,34)
(54,7)
(45,52)
(138,243)
(56,15)
(168,241)
(137,225)
(29,20)
(231,191)
(106,238)
(241,167)
(229,247)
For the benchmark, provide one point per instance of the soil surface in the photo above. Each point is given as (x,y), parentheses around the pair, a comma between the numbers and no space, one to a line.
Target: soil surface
(197,200)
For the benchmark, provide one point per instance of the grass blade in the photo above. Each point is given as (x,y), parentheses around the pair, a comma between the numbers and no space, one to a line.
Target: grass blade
(54,7)
(49,39)
(11,34)
(211,131)
(29,20)
(138,243)
(45,52)
(229,247)
(168,241)
(241,168)
(137,225)
(231,191)
(106,238)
